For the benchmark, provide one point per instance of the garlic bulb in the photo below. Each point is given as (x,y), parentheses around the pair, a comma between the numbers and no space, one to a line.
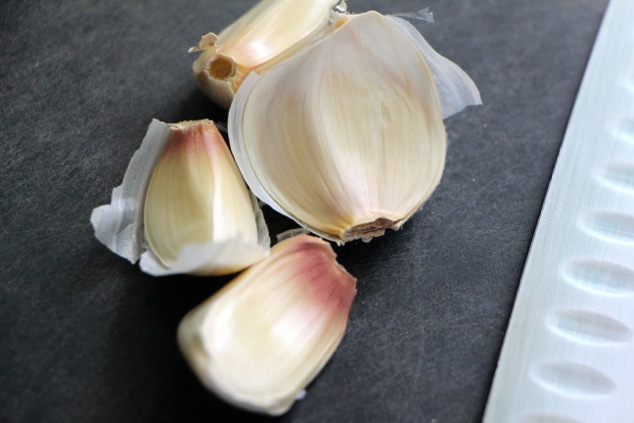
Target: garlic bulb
(269,33)
(347,137)
(183,197)
(261,339)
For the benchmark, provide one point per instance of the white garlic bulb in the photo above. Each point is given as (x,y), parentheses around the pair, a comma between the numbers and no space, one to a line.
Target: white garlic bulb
(347,136)
(259,341)
(269,33)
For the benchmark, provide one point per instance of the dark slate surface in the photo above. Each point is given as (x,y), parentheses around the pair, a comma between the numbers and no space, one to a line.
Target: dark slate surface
(85,336)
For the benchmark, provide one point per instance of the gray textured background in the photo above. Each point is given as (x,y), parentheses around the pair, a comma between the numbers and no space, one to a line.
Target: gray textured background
(85,336)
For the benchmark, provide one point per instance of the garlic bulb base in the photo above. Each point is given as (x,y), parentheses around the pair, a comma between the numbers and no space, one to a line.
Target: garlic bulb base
(367,231)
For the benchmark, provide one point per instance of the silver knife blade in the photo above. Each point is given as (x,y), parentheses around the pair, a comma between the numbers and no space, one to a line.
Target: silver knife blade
(568,354)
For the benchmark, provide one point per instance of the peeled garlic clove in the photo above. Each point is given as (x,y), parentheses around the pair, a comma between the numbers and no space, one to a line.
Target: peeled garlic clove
(184,188)
(261,339)
(346,137)
(266,35)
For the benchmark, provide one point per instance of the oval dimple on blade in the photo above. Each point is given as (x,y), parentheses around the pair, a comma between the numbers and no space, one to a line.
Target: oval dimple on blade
(588,327)
(619,177)
(600,277)
(625,128)
(574,380)
(610,226)
(548,418)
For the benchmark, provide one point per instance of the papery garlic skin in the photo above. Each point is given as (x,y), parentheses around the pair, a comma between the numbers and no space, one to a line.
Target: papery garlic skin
(456,89)
(269,33)
(196,215)
(346,137)
(259,341)
(119,225)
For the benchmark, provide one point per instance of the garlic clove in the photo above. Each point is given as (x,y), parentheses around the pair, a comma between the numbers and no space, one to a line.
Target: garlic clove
(197,196)
(183,198)
(269,33)
(259,341)
(346,137)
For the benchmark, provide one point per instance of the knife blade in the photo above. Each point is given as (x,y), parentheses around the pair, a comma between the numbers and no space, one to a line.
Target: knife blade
(568,353)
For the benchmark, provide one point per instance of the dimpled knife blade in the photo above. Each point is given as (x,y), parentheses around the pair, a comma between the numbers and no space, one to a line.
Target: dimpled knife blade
(568,354)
